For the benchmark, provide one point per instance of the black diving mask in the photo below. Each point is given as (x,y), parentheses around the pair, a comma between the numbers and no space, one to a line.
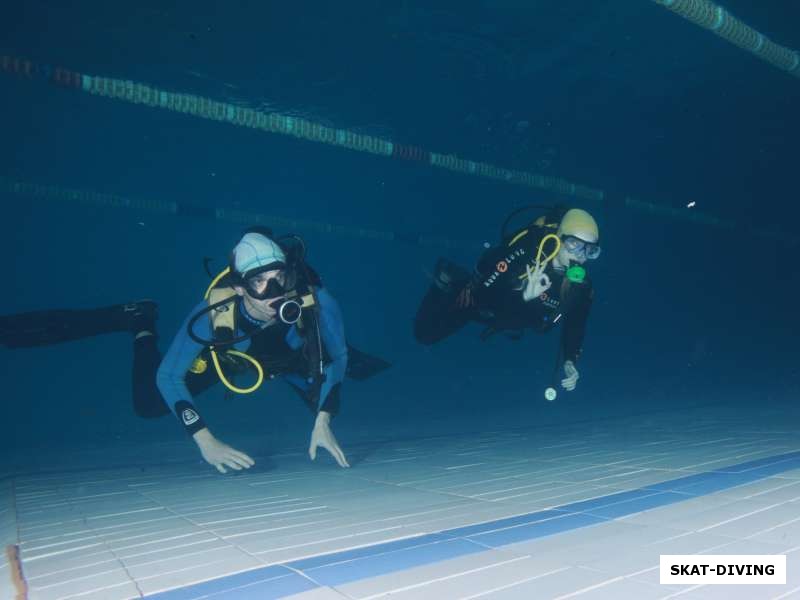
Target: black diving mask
(276,288)
(288,309)
(273,288)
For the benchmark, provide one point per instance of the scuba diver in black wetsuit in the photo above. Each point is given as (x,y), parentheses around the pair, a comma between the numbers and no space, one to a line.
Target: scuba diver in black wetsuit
(267,312)
(535,279)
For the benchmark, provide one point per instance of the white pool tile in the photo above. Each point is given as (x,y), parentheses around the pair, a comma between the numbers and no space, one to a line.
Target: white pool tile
(191,572)
(615,588)
(455,578)
(321,593)
(181,524)
(58,564)
(553,585)
(95,583)
(734,592)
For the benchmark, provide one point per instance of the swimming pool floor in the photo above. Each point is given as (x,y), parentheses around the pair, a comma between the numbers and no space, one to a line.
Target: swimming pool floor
(580,511)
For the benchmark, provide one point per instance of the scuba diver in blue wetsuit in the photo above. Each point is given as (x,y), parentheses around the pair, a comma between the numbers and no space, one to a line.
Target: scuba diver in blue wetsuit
(267,313)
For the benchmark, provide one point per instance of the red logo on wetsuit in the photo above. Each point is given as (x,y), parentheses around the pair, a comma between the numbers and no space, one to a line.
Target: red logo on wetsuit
(502,266)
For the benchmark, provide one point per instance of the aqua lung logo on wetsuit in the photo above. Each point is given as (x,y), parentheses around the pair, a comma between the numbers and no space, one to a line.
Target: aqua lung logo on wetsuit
(502,266)
(189,417)
(549,301)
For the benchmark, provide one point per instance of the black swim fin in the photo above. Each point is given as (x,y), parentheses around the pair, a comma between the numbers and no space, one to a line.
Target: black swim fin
(361,366)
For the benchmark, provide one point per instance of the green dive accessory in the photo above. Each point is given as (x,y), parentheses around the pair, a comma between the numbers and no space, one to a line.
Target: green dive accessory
(576,274)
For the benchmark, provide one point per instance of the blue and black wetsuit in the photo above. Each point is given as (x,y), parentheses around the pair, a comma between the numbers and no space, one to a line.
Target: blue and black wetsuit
(281,349)
(161,387)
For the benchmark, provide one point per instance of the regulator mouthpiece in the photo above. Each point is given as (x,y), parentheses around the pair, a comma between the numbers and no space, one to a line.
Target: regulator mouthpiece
(290,311)
(576,274)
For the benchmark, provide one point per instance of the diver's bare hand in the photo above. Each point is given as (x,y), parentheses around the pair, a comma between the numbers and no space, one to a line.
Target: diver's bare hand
(538,282)
(323,437)
(219,454)
(571,376)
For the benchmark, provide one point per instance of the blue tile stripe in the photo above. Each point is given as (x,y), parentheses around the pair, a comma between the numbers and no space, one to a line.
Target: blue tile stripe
(338,568)
(305,564)
(268,583)
(339,573)
(524,533)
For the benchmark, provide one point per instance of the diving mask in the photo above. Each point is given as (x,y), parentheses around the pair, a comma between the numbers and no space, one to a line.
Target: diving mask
(577,246)
(261,287)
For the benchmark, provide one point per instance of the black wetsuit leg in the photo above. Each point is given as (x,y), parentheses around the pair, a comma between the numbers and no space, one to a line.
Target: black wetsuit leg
(47,327)
(439,316)
(44,328)
(148,402)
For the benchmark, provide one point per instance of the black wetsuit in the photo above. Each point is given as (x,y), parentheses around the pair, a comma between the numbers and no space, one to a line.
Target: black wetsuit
(496,291)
